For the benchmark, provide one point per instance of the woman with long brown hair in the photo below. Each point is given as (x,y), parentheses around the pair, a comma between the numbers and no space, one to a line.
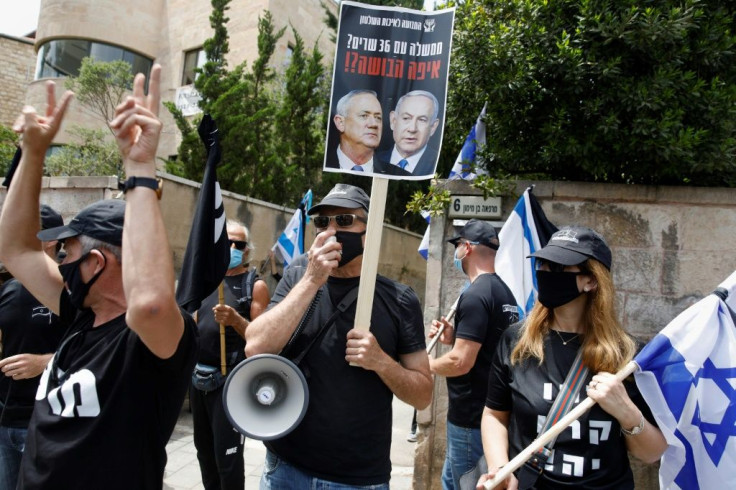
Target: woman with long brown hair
(573,323)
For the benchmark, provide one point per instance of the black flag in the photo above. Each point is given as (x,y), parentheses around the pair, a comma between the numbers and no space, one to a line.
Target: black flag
(12,168)
(208,249)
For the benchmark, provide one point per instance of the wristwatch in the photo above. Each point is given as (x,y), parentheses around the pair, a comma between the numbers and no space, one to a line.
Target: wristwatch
(154,184)
(636,430)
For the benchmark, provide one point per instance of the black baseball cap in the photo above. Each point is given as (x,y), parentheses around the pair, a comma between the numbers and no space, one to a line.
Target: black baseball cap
(343,196)
(477,231)
(102,220)
(573,245)
(50,218)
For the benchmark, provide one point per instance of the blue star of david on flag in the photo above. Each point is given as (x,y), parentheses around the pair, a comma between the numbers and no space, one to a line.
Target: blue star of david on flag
(688,378)
(290,243)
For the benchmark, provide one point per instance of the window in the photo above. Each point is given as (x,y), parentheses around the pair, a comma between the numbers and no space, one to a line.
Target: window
(63,57)
(192,60)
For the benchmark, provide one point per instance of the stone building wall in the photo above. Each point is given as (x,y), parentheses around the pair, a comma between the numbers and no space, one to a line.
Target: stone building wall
(163,30)
(398,255)
(671,246)
(17,60)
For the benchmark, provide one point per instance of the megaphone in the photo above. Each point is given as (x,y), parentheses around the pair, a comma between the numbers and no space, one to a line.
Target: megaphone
(265,397)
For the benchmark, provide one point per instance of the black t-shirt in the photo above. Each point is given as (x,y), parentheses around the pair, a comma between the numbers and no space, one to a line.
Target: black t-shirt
(484,311)
(345,435)
(591,453)
(209,329)
(27,327)
(104,420)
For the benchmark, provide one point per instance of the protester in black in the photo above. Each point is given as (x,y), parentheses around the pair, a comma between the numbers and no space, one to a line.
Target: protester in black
(484,311)
(219,445)
(575,310)
(30,335)
(345,436)
(110,397)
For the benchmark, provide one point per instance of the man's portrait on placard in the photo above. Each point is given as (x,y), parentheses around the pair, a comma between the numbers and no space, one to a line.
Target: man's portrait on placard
(388,92)
(413,122)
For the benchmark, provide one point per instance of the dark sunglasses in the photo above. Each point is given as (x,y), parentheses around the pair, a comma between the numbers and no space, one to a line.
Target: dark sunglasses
(239,244)
(555,267)
(341,220)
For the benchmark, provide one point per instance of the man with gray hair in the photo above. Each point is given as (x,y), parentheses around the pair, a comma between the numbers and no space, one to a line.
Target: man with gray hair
(413,123)
(109,399)
(358,118)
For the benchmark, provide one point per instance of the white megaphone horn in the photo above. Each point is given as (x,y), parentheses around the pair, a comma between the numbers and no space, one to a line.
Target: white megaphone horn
(265,397)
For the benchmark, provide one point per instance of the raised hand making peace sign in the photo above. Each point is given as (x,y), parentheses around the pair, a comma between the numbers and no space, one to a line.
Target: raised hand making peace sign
(136,125)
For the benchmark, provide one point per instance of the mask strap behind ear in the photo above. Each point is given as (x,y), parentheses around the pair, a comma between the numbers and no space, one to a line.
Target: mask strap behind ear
(96,276)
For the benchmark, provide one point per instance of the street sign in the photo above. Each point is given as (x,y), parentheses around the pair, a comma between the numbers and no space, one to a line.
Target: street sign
(474,207)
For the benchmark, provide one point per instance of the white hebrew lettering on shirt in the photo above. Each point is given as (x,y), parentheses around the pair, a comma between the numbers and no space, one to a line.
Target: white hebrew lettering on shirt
(41,311)
(540,422)
(547,391)
(575,429)
(595,464)
(550,466)
(599,430)
(62,400)
(572,465)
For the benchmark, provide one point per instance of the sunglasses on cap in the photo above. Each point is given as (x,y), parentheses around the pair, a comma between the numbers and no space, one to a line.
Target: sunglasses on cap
(555,267)
(239,244)
(341,220)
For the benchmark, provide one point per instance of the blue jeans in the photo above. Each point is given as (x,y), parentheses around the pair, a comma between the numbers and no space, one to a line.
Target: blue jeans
(12,443)
(464,449)
(280,475)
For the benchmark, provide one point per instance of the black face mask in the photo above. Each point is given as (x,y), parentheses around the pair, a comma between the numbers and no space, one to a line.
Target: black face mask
(557,288)
(76,287)
(352,245)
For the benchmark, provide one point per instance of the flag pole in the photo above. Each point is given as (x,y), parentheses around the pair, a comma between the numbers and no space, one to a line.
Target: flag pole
(302,213)
(449,318)
(221,300)
(574,414)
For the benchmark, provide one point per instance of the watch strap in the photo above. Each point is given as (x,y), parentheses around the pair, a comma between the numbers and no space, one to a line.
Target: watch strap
(151,183)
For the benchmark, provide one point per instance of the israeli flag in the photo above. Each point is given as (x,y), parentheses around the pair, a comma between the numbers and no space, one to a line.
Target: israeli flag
(476,138)
(462,168)
(424,245)
(525,231)
(688,378)
(291,241)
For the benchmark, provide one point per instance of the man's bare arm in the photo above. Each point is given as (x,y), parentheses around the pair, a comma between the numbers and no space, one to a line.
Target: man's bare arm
(20,250)
(409,379)
(148,270)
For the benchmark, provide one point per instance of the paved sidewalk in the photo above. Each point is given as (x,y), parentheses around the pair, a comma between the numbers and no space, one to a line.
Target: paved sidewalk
(182,470)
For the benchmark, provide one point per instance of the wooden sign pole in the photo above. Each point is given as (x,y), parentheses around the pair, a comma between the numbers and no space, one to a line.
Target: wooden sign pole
(221,300)
(374,229)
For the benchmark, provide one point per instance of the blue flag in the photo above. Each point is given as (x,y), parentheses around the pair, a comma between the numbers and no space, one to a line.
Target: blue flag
(462,169)
(688,379)
(424,245)
(290,243)
(525,231)
(208,249)
(467,157)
